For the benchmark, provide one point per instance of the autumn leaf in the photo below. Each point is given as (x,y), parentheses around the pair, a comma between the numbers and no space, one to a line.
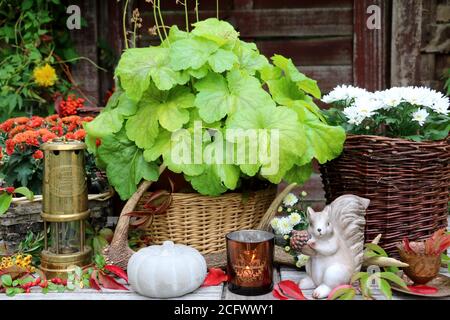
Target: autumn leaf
(117,271)
(344,292)
(291,289)
(108,282)
(421,289)
(215,277)
(278,294)
(93,281)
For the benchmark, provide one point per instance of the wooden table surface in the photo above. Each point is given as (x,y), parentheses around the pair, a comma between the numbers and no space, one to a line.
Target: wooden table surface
(208,293)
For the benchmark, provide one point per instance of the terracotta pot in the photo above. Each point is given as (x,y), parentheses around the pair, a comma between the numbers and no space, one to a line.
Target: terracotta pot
(422,268)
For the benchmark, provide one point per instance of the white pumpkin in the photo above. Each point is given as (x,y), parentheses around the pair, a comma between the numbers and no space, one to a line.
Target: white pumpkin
(166,271)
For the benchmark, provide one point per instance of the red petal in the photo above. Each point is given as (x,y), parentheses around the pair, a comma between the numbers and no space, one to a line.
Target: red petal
(291,289)
(109,282)
(93,281)
(406,245)
(277,293)
(444,244)
(423,289)
(215,277)
(117,271)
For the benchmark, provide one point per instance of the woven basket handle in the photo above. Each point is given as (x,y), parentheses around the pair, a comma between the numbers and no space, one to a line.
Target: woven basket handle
(118,252)
(270,213)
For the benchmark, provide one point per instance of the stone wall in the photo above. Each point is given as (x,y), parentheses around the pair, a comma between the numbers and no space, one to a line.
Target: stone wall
(24,217)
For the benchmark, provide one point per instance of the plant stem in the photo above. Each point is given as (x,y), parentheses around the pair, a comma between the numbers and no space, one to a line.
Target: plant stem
(82,58)
(156,21)
(134,35)
(186,15)
(162,20)
(217,9)
(124,26)
(196,10)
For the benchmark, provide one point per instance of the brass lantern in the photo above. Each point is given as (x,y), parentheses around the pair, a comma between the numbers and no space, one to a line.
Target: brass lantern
(64,208)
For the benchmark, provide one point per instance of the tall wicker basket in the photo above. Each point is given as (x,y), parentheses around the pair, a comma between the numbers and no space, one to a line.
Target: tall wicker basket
(202,222)
(407,182)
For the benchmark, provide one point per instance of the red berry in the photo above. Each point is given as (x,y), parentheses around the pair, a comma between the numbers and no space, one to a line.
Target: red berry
(10,189)
(37,281)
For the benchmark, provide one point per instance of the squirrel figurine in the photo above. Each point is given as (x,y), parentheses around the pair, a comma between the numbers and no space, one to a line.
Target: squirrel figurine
(335,245)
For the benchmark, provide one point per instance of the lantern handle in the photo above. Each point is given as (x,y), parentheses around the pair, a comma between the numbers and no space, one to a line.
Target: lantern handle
(119,252)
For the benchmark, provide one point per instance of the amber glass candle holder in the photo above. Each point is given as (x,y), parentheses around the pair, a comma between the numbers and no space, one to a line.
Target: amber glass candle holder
(250,262)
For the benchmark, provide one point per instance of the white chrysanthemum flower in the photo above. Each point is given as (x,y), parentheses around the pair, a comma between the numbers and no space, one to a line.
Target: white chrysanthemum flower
(295,218)
(290,200)
(392,97)
(344,93)
(420,116)
(301,260)
(367,105)
(353,116)
(284,226)
(274,224)
(440,104)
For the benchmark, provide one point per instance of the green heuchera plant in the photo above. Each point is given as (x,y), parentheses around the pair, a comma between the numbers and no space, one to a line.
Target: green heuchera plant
(209,77)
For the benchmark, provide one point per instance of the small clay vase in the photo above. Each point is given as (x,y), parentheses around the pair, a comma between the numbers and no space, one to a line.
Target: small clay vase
(422,268)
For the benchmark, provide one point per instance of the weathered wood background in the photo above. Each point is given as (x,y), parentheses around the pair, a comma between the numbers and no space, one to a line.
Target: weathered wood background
(327,39)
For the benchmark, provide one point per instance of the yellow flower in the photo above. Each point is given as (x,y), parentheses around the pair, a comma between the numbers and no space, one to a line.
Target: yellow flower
(45,76)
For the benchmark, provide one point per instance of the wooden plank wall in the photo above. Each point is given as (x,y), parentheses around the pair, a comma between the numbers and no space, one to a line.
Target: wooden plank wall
(420,42)
(316,34)
(327,39)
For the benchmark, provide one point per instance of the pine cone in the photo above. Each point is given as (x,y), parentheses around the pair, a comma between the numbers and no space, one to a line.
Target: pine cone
(299,239)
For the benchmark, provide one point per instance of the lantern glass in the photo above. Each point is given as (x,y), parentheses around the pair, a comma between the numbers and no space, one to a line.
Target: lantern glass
(65,237)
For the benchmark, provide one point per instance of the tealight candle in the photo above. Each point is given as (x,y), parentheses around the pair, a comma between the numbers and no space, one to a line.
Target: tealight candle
(250,262)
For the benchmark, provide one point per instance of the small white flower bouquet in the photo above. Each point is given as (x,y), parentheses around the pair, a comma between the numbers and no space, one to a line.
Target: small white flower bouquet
(415,113)
(291,217)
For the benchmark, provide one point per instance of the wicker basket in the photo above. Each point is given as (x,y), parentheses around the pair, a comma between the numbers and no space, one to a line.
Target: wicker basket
(407,183)
(202,222)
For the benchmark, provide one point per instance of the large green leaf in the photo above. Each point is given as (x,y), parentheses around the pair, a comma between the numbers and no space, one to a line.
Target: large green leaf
(5,202)
(218,175)
(191,53)
(185,154)
(285,92)
(299,174)
(249,57)
(219,97)
(220,32)
(222,60)
(106,123)
(275,121)
(168,109)
(126,166)
(24,191)
(323,142)
(110,120)
(303,82)
(172,112)
(143,127)
(138,66)
(160,147)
